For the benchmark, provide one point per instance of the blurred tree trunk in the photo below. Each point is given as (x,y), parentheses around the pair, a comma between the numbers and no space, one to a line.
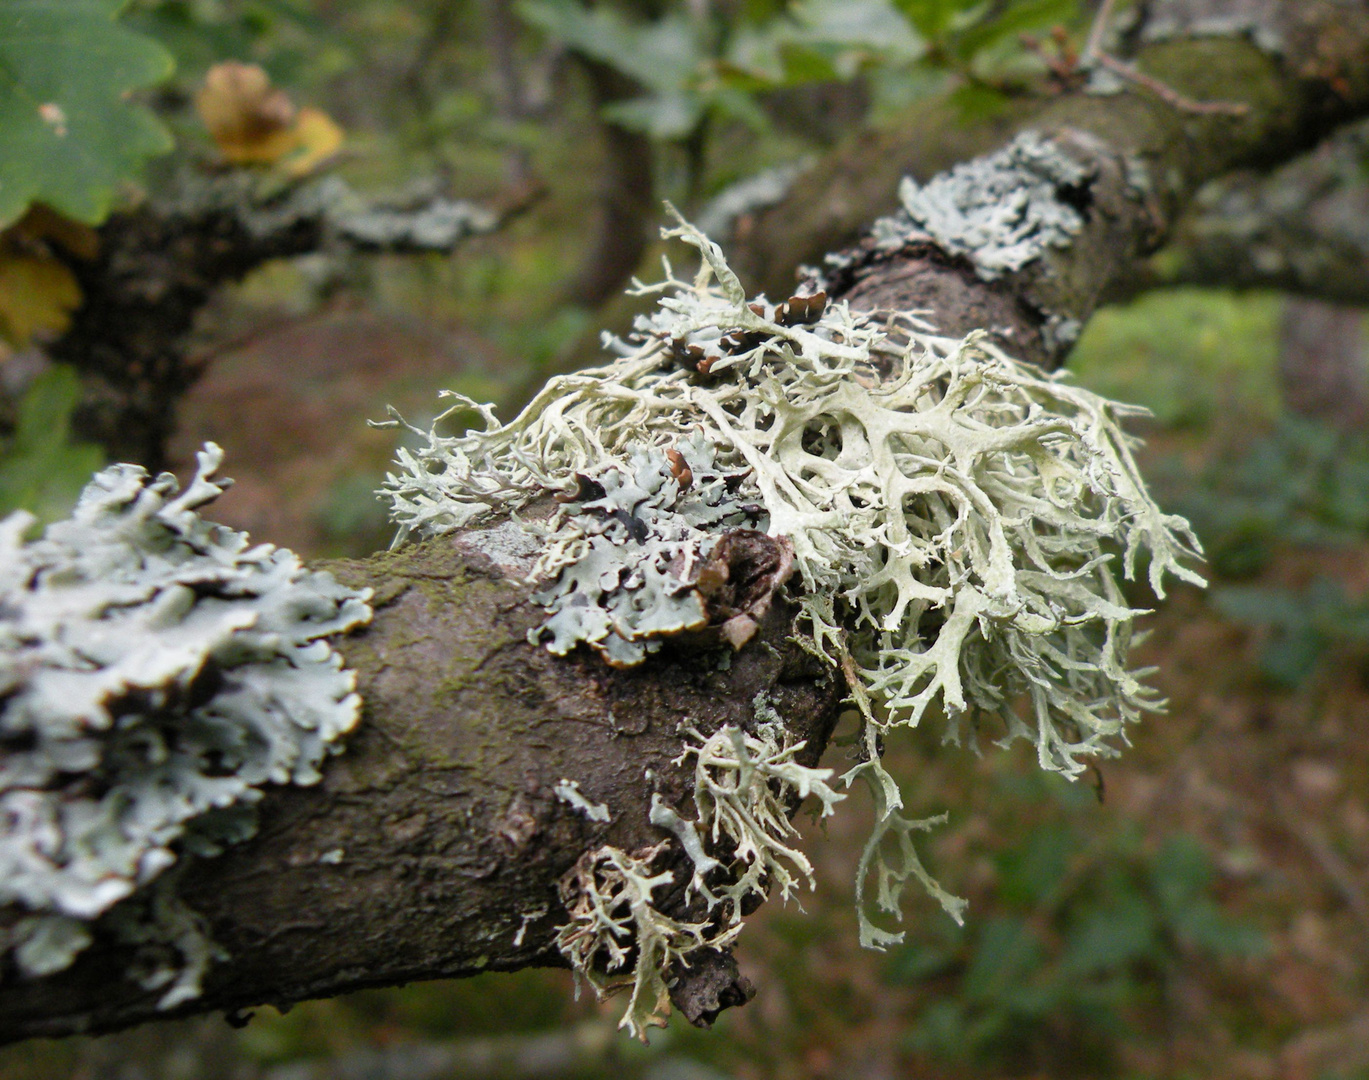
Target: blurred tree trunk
(627,200)
(1324,363)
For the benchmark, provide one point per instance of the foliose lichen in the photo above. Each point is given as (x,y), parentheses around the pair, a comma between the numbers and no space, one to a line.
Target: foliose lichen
(957,518)
(156,674)
(1001,211)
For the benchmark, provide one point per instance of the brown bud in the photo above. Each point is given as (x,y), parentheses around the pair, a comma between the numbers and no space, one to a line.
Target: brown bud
(679,468)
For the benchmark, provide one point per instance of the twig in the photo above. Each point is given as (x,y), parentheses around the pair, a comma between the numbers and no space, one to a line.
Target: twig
(1167,93)
(1094,47)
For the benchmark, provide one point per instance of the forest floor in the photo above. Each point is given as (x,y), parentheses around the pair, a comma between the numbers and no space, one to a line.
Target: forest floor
(1197,908)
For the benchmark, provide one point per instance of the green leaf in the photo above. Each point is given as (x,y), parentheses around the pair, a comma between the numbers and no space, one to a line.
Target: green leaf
(1109,938)
(41,469)
(664,116)
(1180,874)
(663,55)
(68,135)
(1030,874)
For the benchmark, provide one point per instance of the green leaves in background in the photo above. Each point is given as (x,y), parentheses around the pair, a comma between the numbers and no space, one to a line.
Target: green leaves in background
(41,469)
(691,63)
(71,135)
(1086,927)
(1306,625)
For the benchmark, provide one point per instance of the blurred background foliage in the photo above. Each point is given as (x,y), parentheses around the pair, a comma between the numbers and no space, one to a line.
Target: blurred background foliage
(1196,910)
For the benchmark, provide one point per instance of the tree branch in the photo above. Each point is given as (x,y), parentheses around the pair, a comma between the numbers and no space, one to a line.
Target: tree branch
(434,845)
(1302,228)
(157,266)
(1144,157)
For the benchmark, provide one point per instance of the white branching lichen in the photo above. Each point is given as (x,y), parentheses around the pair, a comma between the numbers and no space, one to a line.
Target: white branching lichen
(957,518)
(156,673)
(745,787)
(614,921)
(568,791)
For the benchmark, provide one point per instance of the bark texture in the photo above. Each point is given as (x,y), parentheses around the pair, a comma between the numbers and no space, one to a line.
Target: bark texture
(434,844)
(1302,228)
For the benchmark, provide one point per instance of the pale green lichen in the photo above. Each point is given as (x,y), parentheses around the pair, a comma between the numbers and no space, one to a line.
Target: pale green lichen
(568,791)
(745,787)
(614,922)
(957,517)
(157,673)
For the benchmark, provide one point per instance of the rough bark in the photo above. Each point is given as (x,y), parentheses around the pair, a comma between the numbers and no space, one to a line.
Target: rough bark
(437,832)
(1302,228)
(433,836)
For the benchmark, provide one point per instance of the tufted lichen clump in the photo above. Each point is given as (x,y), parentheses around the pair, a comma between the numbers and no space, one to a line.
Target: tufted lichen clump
(745,787)
(156,673)
(957,518)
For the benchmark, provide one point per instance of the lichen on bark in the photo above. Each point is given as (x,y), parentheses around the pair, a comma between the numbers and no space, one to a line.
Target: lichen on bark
(956,517)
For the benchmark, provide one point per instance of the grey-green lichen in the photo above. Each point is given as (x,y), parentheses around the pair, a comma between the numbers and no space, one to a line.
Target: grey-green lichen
(617,939)
(626,551)
(157,672)
(958,519)
(1001,211)
(744,789)
(1262,21)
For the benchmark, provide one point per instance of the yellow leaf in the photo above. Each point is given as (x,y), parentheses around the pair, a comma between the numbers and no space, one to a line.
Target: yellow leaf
(47,227)
(251,123)
(318,138)
(37,296)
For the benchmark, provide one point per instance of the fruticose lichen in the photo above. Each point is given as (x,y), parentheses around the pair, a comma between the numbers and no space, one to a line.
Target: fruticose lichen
(957,518)
(156,673)
(568,791)
(745,787)
(614,920)
(1000,211)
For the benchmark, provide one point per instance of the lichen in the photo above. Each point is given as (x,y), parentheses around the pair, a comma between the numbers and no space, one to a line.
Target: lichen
(568,791)
(624,558)
(157,673)
(745,787)
(1000,211)
(957,518)
(616,938)
(1262,21)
